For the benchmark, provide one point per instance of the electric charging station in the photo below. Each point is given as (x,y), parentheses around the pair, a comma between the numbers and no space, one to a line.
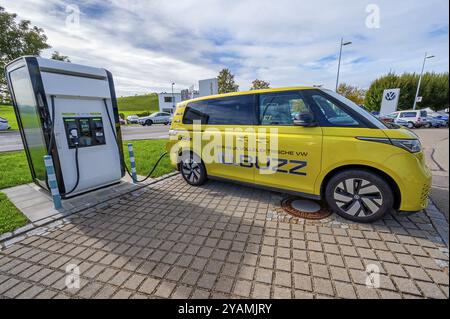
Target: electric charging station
(69,112)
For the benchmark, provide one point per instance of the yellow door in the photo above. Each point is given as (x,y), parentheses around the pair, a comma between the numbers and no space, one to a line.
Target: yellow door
(227,127)
(294,152)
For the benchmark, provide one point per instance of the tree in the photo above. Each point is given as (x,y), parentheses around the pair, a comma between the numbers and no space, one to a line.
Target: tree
(226,82)
(434,91)
(352,93)
(259,85)
(17,38)
(57,56)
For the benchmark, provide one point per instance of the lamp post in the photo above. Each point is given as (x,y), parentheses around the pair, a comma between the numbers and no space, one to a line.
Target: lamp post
(339,63)
(173,97)
(420,78)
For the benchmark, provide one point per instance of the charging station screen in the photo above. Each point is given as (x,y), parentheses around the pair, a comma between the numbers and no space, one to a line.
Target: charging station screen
(29,119)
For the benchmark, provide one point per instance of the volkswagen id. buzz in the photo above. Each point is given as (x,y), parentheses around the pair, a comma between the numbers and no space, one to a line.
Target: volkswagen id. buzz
(317,143)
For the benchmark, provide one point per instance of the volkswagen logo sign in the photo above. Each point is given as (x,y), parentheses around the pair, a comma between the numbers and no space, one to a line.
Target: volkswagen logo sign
(390,96)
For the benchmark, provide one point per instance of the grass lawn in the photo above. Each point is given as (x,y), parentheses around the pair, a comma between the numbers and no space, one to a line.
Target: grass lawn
(14,169)
(10,217)
(14,166)
(146,154)
(7,112)
(131,105)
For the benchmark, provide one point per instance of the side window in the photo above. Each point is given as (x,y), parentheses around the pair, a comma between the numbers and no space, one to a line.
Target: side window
(409,114)
(281,108)
(234,110)
(195,112)
(334,114)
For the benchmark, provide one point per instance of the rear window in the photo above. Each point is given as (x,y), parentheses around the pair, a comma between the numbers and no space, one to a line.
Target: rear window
(234,110)
(423,114)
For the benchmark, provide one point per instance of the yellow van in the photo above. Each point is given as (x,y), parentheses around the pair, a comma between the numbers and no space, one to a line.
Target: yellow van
(317,144)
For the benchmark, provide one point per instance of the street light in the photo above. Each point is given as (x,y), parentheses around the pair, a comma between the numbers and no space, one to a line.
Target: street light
(173,97)
(339,64)
(420,78)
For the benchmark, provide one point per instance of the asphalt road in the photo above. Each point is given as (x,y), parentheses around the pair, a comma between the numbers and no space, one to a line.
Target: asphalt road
(435,142)
(436,146)
(11,140)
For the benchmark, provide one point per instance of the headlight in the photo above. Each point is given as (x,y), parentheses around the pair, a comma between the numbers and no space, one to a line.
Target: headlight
(412,146)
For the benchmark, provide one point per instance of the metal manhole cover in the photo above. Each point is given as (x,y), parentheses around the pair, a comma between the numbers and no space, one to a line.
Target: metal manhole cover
(304,208)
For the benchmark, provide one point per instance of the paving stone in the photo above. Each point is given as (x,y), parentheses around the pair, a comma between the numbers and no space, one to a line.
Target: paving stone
(345,290)
(340,274)
(224,284)
(171,240)
(122,294)
(430,290)
(261,291)
(90,290)
(406,285)
(264,275)
(243,288)
(134,282)
(148,286)
(323,286)
(165,289)
(417,273)
(282,293)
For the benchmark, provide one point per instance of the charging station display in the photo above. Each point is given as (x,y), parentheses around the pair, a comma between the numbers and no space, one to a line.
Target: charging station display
(86,131)
(68,111)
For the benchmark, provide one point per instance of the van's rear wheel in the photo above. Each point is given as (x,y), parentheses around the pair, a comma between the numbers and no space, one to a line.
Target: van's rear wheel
(359,195)
(192,169)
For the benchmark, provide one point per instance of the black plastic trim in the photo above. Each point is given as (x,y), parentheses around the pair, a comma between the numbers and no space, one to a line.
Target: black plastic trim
(269,188)
(116,119)
(44,110)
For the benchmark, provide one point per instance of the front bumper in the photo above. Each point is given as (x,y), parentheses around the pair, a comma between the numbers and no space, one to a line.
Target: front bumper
(413,178)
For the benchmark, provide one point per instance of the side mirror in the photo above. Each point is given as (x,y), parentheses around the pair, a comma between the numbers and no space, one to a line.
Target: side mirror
(304,119)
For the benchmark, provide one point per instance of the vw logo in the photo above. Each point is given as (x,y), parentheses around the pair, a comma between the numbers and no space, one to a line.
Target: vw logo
(390,96)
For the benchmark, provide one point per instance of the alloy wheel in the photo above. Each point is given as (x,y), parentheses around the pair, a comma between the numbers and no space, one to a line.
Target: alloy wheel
(358,197)
(191,170)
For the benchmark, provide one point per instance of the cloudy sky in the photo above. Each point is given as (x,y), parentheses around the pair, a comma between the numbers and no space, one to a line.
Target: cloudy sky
(147,45)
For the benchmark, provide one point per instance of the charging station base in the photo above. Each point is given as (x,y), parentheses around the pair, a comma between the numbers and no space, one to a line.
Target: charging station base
(37,205)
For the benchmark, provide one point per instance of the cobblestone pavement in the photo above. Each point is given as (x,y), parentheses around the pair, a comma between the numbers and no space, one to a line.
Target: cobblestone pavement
(171,240)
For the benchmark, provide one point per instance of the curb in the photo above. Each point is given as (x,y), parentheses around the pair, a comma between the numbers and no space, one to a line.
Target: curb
(438,221)
(41,227)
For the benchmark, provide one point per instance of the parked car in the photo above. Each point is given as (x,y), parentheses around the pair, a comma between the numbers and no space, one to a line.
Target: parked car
(4,125)
(415,118)
(433,122)
(133,119)
(441,116)
(362,173)
(156,118)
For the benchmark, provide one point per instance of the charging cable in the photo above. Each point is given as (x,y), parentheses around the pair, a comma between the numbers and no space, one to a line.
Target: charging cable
(74,136)
(118,147)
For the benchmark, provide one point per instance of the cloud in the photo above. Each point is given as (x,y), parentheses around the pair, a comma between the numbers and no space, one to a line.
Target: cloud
(149,44)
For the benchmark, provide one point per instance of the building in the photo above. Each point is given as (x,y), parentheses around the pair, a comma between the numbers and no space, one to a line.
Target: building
(208,87)
(168,101)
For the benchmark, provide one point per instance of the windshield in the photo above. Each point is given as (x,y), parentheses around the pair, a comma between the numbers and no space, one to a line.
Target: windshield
(375,121)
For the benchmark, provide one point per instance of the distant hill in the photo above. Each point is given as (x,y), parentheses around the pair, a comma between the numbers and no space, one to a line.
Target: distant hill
(138,104)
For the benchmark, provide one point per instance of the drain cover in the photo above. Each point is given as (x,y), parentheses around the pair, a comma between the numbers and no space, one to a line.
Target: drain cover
(304,208)
(305,205)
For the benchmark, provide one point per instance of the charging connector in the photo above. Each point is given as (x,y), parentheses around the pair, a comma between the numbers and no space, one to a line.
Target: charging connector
(118,147)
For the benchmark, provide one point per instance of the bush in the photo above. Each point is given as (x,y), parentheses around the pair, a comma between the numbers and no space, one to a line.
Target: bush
(434,91)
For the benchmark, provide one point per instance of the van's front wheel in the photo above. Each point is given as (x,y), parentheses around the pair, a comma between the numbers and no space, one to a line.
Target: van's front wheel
(359,195)
(192,169)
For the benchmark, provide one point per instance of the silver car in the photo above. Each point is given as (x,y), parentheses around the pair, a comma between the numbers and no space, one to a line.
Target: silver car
(156,118)
(4,125)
